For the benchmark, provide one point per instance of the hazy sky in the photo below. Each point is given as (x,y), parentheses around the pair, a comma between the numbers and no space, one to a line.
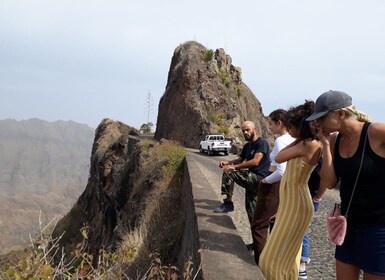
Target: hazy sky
(88,60)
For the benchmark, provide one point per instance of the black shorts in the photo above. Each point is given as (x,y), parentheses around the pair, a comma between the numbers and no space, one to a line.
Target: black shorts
(364,246)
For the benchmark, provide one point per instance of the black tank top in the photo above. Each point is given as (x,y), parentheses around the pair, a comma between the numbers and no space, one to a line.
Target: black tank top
(368,204)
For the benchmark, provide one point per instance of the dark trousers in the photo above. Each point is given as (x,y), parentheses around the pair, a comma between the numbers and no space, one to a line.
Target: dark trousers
(247,180)
(266,207)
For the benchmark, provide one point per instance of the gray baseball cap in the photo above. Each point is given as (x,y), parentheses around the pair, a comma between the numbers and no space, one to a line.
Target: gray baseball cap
(329,101)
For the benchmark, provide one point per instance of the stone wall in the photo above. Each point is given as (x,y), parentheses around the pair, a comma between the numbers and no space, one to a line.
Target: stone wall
(224,255)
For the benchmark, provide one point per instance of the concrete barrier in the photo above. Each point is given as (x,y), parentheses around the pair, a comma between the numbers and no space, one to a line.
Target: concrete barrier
(223,254)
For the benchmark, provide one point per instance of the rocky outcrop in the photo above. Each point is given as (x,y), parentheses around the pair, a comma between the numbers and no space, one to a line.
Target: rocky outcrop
(102,210)
(132,202)
(118,198)
(205,95)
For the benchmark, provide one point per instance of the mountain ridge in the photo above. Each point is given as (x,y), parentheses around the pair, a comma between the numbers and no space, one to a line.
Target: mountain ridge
(43,170)
(204,94)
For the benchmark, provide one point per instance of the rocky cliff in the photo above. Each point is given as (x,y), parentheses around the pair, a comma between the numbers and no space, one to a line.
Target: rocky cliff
(205,95)
(132,201)
(99,209)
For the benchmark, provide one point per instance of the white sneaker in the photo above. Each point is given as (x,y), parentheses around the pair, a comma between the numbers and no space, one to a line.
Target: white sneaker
(302,273)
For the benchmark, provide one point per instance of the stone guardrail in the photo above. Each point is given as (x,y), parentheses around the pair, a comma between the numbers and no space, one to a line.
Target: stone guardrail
(212,239)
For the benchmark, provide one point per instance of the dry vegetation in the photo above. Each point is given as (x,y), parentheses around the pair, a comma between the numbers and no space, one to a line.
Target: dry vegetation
(154,242)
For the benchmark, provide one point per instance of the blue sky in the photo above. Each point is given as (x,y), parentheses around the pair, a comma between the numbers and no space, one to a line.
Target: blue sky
(89,60)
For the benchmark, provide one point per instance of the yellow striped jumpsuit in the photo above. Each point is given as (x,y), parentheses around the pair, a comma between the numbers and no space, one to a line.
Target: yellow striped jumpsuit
(281,255)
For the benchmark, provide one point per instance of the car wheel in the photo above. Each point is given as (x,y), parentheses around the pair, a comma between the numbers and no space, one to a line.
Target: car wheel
(209,152)
(226,153)
(200,149)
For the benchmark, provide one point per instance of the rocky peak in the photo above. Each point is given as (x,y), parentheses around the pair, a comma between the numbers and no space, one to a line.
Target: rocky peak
(102,209)
(126,204)
(205,95)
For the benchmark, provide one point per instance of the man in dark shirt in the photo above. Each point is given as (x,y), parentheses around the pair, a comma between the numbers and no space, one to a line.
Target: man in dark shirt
(251,166)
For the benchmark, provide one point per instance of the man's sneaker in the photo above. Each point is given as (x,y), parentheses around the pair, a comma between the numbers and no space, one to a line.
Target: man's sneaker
(302,273)
(225,207)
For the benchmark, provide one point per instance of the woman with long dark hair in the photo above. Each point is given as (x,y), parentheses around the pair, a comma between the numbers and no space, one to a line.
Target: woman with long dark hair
(281,255)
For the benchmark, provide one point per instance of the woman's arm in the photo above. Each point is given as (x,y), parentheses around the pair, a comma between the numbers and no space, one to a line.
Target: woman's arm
(276,175)
(328,176)
(308,149)
(293,150)
(291,144)
(279,168)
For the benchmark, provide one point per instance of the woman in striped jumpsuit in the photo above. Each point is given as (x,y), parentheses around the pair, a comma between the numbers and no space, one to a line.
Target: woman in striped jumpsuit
(281,256)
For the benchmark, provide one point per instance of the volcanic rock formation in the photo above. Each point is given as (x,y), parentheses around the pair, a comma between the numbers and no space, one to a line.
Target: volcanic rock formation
(205,95)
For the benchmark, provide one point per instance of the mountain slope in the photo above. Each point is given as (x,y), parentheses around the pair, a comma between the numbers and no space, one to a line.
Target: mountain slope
(43,167)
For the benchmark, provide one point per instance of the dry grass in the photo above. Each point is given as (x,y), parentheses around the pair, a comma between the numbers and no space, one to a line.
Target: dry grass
(161,226)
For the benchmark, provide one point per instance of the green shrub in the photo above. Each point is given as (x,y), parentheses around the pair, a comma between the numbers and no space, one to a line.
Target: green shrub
(209,55)
(210,117)
(239,92)
(219,119)
(174,158)
(225,79)
(224,130)
(215,118)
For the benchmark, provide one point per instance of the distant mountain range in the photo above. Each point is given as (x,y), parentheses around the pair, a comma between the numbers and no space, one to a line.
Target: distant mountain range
(43,169)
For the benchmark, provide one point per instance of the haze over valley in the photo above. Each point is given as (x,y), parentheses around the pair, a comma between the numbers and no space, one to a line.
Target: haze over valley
(43,170)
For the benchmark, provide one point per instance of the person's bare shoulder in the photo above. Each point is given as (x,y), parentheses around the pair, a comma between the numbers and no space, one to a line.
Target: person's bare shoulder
(377,129)
(377,138)
(312,151)
(313,143)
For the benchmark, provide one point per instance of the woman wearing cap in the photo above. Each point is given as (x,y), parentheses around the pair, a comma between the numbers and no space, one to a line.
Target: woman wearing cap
(364,244)
(281,255)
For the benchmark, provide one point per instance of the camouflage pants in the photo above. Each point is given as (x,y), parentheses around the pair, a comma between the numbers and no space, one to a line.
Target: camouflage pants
(247,180)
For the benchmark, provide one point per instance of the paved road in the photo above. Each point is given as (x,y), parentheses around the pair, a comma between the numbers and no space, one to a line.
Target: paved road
(322,265)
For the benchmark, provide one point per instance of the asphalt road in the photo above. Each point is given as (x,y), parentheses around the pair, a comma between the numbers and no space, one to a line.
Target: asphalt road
(322,264)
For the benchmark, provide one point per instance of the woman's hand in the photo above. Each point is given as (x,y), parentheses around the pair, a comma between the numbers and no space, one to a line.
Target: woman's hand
(323,137)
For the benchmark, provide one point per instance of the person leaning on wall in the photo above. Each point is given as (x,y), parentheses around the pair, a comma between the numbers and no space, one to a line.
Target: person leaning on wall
(247,170)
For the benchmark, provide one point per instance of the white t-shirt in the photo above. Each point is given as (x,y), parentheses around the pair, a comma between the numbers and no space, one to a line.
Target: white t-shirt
(279,143)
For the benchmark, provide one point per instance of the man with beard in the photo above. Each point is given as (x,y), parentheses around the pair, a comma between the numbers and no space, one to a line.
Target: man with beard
(251,166)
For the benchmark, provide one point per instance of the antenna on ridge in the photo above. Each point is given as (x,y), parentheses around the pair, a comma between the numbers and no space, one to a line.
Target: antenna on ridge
(149,104)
